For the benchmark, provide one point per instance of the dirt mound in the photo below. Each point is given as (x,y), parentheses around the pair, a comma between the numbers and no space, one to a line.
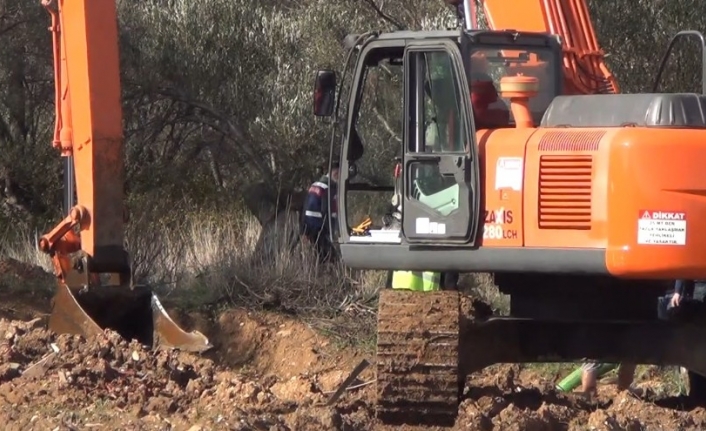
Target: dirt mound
(67,382)
(25,290)
(266,372)
(505,398)
(49,381)
(57,372)
(268,344)
(20,271)
(265,343)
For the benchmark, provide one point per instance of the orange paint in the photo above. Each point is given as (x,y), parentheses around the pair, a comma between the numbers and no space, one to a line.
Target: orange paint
(588,188)
(502,212)
(519,89)
(584,66)
(89,121)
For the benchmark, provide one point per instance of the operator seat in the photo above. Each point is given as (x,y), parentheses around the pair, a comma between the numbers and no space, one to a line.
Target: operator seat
(483,95)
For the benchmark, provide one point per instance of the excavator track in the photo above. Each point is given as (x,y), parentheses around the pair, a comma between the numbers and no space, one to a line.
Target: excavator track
(418,380)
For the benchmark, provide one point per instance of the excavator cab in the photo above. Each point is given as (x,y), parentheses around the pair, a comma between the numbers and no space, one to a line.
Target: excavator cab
(453,95)
(449,90)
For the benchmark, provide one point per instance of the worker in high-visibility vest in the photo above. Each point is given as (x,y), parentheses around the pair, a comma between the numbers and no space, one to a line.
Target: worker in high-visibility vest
(419,281)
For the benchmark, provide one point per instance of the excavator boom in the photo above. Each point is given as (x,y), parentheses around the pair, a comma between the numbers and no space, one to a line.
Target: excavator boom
(585,71)
(87,247)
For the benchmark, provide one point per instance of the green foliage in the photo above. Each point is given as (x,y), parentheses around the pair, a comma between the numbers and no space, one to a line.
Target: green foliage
(217,94)
(635,35)
(28,174)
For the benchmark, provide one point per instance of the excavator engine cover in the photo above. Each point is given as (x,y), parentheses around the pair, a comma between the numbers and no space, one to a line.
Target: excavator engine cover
(134,312)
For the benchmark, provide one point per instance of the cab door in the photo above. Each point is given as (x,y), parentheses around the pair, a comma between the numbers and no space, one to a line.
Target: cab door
(441,178)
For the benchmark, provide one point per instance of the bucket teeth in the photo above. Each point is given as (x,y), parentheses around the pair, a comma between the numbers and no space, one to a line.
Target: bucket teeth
(168,334)
(133,312)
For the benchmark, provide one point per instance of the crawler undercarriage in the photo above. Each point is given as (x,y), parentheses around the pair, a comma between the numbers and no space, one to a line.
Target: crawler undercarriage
(429,342)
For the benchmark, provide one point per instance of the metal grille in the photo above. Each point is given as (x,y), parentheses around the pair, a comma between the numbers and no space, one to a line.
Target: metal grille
(565,192)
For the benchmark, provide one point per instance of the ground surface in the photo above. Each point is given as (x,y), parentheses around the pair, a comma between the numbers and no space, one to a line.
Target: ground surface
(267,372)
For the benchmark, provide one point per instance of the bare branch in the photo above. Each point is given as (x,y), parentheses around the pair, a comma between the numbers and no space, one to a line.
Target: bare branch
(225,126)
(12,26)
(383,15)
(386,125)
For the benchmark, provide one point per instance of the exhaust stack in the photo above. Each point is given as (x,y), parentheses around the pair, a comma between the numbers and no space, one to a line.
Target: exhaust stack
(519,89)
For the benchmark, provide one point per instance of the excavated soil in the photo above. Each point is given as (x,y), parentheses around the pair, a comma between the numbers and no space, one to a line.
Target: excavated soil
(266,372)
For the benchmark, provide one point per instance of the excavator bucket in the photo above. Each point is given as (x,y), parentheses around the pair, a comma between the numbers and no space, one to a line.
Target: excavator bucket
(133,312)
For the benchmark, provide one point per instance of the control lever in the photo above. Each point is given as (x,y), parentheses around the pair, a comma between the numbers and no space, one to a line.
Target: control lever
(396,200)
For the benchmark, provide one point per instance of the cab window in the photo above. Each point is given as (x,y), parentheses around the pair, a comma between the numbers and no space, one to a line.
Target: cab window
(489,64)
(436,105)
(444,129)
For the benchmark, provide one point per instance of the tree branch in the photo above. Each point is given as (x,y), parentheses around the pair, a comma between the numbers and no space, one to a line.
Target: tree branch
(383,15)
(386,125)
(12,26)
(225,126)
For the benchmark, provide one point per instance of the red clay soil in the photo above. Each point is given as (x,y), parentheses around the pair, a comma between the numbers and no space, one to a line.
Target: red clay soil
(266,372)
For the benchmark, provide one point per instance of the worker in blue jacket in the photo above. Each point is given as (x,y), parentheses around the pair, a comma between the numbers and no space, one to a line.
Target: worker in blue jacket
(315,225)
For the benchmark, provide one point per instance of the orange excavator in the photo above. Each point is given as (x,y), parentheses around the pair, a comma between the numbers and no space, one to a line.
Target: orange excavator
(95,289)
(584,204)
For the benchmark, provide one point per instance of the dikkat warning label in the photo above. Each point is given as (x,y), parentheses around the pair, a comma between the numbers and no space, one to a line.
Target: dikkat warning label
(661,228)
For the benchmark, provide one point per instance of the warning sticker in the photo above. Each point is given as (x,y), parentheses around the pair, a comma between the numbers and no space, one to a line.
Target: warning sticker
(508,173)
(661,228)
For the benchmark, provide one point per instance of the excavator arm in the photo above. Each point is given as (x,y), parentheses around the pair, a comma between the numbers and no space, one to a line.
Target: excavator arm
(87,248)
(89,128)
(585,71)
